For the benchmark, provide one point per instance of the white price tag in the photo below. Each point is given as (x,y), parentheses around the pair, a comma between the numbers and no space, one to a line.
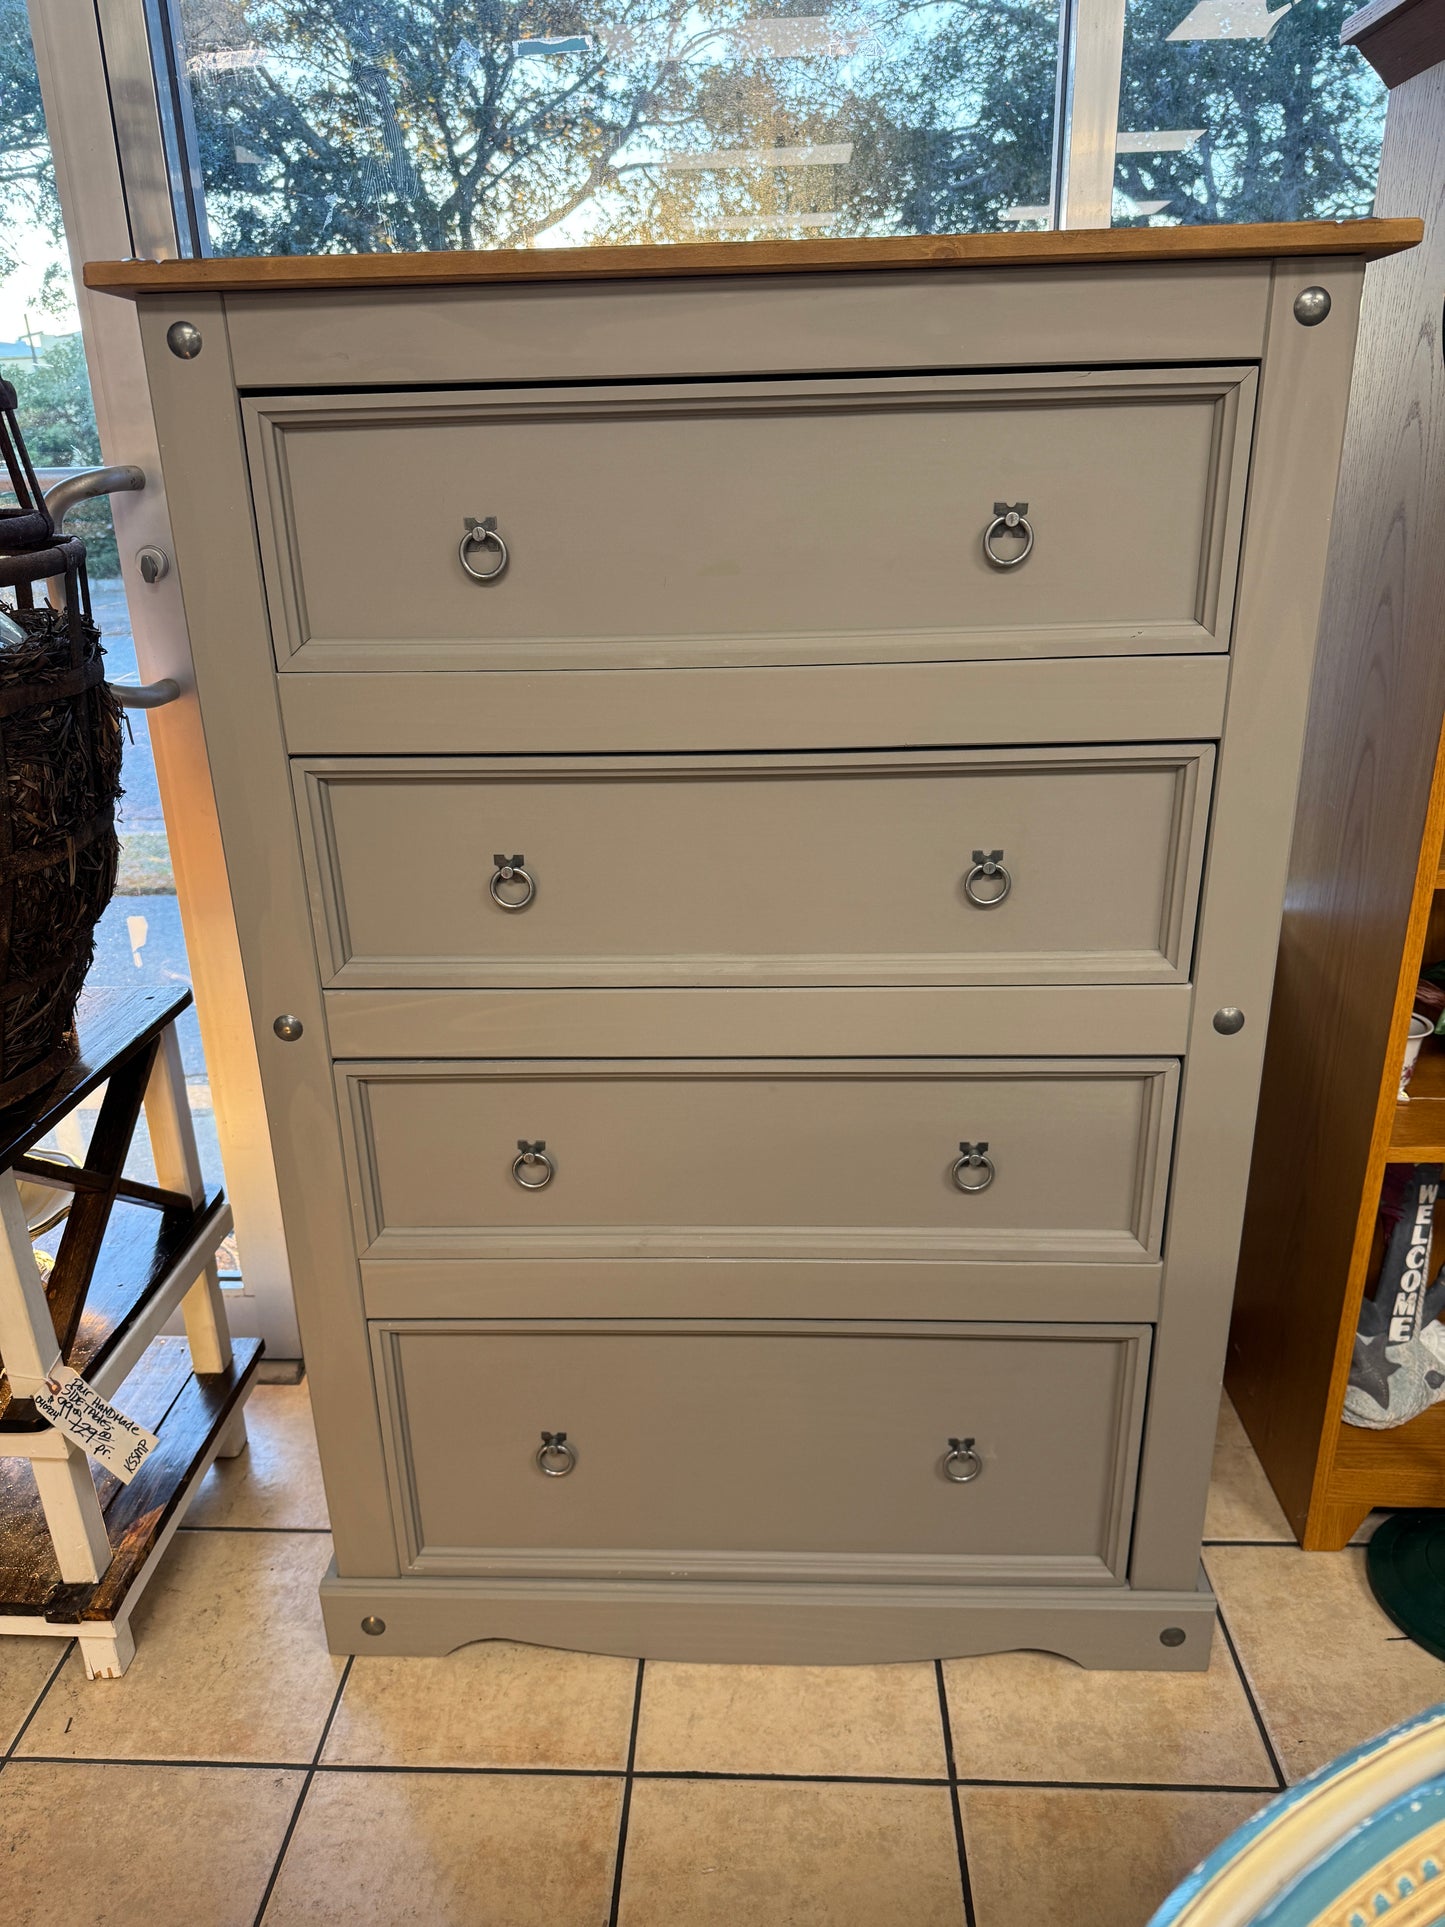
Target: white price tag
(101,1432)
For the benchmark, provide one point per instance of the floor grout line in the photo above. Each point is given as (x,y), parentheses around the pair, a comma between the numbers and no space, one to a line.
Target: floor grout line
(1117,1786)
(1280,1781)
(950,1761)
(652,1773)
(67,1648)
(277,1529)
(126,1759)
(625,1813)
(789,1779)
(1282,1545)
(305,1789)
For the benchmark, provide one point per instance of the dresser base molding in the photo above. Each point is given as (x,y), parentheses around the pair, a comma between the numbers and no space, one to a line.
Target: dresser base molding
(817,1625)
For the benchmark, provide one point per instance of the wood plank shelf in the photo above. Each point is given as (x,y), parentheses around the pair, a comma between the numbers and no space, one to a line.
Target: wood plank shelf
(1417,1135)
(1417,1129)
(108,1022)
(188,1411)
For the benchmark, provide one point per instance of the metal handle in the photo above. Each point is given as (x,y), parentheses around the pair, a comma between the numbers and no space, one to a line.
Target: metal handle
(483,535)
(528,1157)
(555,1456)
(960,1464)
(974,1157)
(987,864)
(145,695)
(84,486)
(1013,518)
(509,870)
(86,483)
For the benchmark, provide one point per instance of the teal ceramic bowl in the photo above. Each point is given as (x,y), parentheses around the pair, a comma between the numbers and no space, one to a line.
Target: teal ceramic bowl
(1361,1843)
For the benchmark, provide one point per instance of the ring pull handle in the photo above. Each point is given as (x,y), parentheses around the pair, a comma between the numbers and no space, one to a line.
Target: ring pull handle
(961,1465)
(1011,518)
(974,1159)
(988,867)
(509,870)
(557,1458)
(483,535)
(533,1157)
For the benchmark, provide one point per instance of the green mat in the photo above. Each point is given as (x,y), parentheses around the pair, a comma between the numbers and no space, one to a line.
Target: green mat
(1405,1562)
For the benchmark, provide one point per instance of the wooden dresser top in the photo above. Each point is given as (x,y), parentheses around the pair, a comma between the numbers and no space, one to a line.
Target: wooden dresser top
(1079,247)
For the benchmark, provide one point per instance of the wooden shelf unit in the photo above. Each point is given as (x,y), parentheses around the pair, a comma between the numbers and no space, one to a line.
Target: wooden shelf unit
(189,1412)
(76,1545)
(1365,905)
(147,1256)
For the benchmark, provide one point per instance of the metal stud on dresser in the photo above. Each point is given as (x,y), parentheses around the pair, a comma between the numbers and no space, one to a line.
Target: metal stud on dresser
(654,900)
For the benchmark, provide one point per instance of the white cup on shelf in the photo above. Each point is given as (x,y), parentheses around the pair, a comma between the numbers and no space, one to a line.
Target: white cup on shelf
(1420,1029)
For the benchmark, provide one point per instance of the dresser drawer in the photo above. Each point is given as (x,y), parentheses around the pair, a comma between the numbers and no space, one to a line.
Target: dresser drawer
(810,1450)
(782,522)
(827,1159)
(758,870)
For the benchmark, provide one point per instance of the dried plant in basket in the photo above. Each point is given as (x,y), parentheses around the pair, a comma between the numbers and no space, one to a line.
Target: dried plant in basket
(60,750)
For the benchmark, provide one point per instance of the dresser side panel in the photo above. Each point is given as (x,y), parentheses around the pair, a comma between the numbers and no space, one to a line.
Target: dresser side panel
(1304,389)
(1370,753)
(199,430)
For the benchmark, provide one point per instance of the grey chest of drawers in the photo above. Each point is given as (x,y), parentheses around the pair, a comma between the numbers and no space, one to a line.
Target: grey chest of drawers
(761,780)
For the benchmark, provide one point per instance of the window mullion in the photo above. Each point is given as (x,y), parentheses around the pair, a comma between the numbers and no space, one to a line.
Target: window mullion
(139,140)
(1096,44)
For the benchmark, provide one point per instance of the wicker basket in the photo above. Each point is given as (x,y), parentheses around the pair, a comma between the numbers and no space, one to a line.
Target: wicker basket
(60,750)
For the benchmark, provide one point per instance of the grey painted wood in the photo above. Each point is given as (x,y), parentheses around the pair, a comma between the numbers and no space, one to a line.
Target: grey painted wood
(758,524)
(740,870)
(761,1159)
(1020,317)
(673,1210)
(1304,386)
(199,430)
(1167,699)
(764,1453)
(1117,1630)
(1014,1289)
(1014,1020)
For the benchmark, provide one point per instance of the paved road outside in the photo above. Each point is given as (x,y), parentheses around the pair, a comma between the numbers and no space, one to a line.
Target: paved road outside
(140,807)
(139,942)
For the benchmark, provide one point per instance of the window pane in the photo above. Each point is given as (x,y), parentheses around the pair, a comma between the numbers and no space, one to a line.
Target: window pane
(362,125)
(1231,111)
(139,941)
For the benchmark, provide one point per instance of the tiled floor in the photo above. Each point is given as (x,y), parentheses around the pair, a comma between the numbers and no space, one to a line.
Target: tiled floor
(240,1774)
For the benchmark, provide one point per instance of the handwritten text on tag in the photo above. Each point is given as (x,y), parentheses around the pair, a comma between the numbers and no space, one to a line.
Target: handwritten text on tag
(101,1432)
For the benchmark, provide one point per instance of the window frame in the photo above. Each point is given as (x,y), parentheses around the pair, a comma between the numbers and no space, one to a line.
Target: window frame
(165,199)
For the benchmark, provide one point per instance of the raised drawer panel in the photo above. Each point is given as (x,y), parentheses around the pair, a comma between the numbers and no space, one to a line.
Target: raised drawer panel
(850,1158)
(760,870)
(786,1450)
(730,523)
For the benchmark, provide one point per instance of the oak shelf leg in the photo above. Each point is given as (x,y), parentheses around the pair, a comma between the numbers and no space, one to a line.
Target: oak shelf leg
(1332,1524)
